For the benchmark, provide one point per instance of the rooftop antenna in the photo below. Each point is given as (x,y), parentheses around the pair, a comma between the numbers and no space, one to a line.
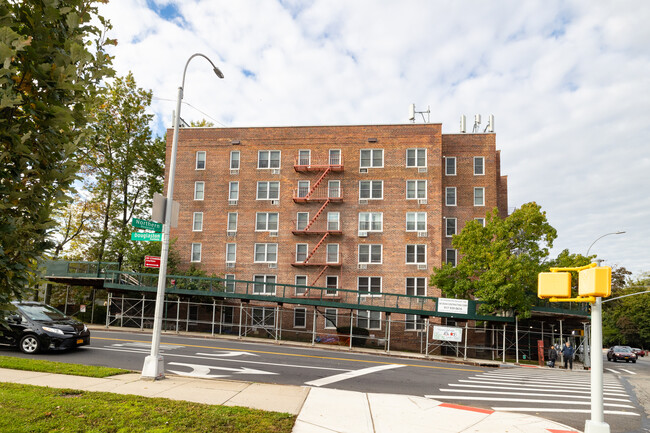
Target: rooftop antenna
(463,124)
(477,122)
(490,125)
(412,114)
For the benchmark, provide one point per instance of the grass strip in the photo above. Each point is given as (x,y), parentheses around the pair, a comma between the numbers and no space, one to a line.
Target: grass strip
(27,408)
(58,367)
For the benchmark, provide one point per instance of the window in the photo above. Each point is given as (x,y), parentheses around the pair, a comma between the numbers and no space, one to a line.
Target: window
(301,252)
(416,286)
(333,221)
(266,253)
(299,317)
(413,322)
(334,189)
(268,190)
(370,253)
(416,254)
(196,253)
(264,317)
(301,280)
(229,283)
(264,284)
(371,189)
(268,159)
(198,190)
(200,160)
(416,221)
(304,157)
(416,189)
(416,157)
(450,227)
(303,188)
(266,222)
(479,196)
(450,257)
(234,160)
(302,219)
(332,253)
(335,157)
(371,158)
(369,286)
(479,166)
(330,318)
(233,191)
(227,315)
(332,284)
(232,221)
(481,221)
(450,196)
(371,221)
(369,319)
(197,224)
(231,253)
(450,166)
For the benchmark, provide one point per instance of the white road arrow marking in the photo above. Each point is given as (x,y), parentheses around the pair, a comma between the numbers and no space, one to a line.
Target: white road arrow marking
(228,354)
(204,370)
(351,374)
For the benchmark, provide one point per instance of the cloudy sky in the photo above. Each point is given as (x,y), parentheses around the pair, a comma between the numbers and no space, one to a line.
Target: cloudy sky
(567,81)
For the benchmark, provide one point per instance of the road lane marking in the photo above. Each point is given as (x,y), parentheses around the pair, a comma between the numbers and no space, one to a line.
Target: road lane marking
(521,400)
(351,374)
(525,393)
(203,371)
(538,409)
(628,371)
(505,383)
(529,388)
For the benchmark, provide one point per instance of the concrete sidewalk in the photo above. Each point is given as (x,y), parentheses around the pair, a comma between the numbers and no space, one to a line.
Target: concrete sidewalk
(319,410)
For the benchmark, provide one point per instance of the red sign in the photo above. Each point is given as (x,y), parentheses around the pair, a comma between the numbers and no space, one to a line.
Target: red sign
(151,261)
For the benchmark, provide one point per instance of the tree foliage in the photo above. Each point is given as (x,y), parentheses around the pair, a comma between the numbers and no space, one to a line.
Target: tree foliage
(499,263)
(50,72)
(626,320)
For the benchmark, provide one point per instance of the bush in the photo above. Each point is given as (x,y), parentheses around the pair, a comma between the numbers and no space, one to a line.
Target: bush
(359,335)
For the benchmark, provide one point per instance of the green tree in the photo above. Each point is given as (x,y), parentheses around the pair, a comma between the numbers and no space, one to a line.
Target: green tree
(626,320)
(50,72)
(499,263)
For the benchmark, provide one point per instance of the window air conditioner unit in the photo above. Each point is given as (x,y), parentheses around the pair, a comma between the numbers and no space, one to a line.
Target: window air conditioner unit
(363,201)
(275,171)
(422,169)
(275,202)
(422,267)
(273,234)
(230,265)
(231,234)
(234,171)
(363,234)
(273,265)
(363,170)
(422,201)
(232,202)
(423,234)
(363,266)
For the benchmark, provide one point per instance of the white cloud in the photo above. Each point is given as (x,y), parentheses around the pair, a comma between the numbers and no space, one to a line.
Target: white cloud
(568,83)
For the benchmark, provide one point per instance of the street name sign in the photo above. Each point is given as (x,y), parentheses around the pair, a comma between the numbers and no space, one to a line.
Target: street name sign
(147,237)
(147,225)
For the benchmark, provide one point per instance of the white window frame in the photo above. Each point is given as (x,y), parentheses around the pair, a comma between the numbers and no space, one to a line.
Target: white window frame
(298,216)
(413,322)
(268,190)
(372,221)
(267,220)
(196,249)
(337,159)
(366,316)
(269,153)
(371,189)
(482,159)
(481,221)
(229,286)
(370,253)
(303,188)
(416,253)
(265,252)
(449,189)
(328,254)
(328,315)
(415,287)
(369,283)
(303,311)
(334,188)
(333,221)
(448,172)
(331,290)
(230,223)
(233,160)
(416,190)
(197,218)
(267,319)
(447,251)
(302,161)
(233,193)
(451,223)
(302,246)
(200,160)
(416,222)
(372,158)
(231,249)
(482,201)
(417,151)
(299,291)
(199,190)
(265,279)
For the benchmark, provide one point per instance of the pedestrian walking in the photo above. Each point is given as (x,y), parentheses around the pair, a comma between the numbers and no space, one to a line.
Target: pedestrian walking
(552,356)
(567,352)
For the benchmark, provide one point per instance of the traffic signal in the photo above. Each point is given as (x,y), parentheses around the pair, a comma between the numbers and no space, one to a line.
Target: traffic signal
(554,285)
(595,282)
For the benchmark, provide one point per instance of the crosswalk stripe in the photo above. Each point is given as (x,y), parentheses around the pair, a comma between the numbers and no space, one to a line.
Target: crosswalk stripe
(537,409)
(523,400)
(499,382)
(628,371)
(521,388)
(525,393)
(535,379)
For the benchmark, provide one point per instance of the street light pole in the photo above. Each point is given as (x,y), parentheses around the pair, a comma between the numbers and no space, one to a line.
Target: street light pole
(154,367)
(606,234)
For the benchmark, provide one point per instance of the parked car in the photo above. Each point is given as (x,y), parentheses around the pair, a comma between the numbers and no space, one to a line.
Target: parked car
(638,352)
(621,352)
(33,326)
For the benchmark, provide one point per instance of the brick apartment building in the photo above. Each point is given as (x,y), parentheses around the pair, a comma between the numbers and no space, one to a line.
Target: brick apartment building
(369,208)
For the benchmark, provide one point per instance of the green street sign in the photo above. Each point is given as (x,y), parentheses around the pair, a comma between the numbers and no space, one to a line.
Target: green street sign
(147,237)
(147,225)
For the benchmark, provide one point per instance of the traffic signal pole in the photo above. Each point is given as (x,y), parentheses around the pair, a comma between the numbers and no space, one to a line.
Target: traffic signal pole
(597,422)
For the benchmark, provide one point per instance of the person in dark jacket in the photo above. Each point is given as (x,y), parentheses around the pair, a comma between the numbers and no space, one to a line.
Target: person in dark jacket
(552,356)
(567,352)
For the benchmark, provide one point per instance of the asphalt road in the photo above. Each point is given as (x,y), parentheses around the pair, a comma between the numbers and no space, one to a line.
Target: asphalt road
(551,393)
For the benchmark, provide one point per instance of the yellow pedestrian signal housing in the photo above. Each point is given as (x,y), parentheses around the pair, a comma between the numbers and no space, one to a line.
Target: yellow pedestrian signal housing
(554,285)
(595,282)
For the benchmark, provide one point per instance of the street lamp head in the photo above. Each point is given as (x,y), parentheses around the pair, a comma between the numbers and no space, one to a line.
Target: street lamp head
(218,72)
(619,233)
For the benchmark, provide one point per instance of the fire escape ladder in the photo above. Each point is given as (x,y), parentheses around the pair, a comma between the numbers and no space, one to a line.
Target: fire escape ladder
(318,182)
(321,274)
(320,211)
(316,247)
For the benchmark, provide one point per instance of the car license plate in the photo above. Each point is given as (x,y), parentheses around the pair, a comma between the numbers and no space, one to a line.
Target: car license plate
(80,341)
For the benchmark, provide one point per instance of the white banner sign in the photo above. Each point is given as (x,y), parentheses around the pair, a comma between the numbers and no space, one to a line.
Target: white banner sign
(448,333)
(456,306)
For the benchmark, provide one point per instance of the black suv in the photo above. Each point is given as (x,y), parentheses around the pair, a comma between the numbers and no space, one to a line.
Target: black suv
(33,326)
